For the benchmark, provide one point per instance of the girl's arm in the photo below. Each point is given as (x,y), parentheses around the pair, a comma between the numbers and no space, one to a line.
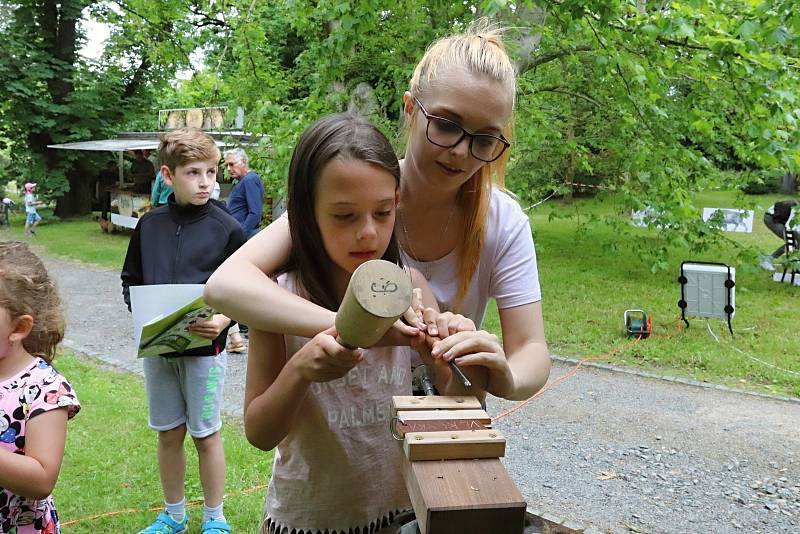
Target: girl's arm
(241,288)
(271,397)
(275,388)
(526,353)
(520,366)
(34,475)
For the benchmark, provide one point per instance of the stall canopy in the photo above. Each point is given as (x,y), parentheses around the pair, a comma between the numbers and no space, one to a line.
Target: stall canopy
(211,120)
(109,145)
(214,120)
(150,141)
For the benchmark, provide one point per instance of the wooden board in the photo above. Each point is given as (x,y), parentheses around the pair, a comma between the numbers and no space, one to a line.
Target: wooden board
(440,415)
(436,402)
(464,497)
(459,444)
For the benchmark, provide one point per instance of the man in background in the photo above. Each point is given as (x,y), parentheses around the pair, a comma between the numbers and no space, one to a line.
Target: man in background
(245,204)
(246,200)
(152,157)
(143,172)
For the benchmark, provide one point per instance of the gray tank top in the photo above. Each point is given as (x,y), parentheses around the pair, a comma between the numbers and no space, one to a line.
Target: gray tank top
(339,469)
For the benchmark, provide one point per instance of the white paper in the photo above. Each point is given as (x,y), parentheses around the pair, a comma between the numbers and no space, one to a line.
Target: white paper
(149,302)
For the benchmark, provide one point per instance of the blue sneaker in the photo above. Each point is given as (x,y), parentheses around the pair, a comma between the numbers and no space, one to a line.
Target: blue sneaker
(215,526)
(164,524)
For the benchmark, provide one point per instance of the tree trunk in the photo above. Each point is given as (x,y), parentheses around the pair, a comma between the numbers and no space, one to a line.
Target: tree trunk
(788,185)
(59,24)
(363,100)
(78,200)
(528,44)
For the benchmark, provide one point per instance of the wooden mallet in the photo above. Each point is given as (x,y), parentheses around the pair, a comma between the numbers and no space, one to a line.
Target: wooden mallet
(379,292)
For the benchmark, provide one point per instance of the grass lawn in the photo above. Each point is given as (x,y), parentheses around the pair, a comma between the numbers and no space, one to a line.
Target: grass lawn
(587,287)
(78,239)
(109,480)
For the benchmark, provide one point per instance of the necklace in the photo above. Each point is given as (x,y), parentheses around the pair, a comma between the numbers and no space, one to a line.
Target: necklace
(426,265)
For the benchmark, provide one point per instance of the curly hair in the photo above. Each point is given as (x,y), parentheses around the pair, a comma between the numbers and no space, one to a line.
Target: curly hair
(27,289)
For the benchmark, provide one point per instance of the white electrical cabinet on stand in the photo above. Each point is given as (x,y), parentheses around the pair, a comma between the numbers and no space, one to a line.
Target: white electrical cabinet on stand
(707,290)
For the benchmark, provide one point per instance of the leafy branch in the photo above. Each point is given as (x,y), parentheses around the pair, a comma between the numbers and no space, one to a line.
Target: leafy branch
(163,31)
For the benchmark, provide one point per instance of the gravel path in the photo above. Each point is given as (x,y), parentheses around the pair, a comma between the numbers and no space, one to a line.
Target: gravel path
(604,449)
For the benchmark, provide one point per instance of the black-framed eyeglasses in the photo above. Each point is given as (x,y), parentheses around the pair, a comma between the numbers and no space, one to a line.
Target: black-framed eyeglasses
(447,134)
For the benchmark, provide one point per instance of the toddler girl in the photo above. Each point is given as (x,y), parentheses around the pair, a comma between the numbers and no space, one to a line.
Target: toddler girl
(35,400)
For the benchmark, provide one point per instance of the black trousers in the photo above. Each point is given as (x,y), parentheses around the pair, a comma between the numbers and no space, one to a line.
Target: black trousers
(778,228)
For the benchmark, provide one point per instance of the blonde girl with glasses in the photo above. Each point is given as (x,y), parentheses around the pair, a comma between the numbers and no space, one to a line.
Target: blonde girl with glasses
(455,224)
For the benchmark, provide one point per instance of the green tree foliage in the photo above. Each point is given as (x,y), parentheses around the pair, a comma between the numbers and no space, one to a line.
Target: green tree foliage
(37,91)
(652,100)
(49,94)
(287,63)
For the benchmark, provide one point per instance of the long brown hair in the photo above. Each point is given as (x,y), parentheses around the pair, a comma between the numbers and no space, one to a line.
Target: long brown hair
(480,52)
(27,289)
(344,136)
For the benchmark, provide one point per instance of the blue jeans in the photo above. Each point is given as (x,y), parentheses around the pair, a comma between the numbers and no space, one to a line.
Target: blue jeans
(32,218)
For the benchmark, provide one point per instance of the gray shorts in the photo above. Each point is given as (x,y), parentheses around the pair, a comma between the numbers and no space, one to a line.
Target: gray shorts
(186,390)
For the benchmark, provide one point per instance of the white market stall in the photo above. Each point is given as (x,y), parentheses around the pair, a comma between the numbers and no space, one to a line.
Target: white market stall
(127,205)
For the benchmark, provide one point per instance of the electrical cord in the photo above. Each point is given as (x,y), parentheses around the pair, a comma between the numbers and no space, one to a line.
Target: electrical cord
(752,357)
(189,504)
(575,369)
(560,379)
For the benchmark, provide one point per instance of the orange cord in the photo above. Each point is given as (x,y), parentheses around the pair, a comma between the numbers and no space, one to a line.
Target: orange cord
(189,504)
(560,379)
(575,369)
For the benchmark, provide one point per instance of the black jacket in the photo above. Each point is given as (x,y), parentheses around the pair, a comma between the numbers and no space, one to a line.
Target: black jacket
(783,210)
(176,244)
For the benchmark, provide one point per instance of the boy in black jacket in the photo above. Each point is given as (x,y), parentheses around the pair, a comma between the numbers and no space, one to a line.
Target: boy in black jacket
(183,243)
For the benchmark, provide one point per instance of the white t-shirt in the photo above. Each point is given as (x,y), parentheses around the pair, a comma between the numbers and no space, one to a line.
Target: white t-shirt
(507,269)
(30,203)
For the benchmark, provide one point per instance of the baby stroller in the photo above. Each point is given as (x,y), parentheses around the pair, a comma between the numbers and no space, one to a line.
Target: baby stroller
(6,207)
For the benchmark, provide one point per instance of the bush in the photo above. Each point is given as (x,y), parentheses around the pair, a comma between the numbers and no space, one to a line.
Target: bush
(760,183)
